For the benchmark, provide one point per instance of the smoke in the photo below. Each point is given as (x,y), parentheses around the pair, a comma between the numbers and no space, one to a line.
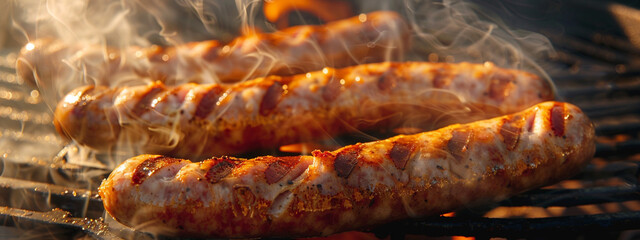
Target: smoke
(97,34)
(75,21)
(100,42)
(456,31)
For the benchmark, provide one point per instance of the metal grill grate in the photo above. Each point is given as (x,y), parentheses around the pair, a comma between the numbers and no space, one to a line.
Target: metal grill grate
(40,188)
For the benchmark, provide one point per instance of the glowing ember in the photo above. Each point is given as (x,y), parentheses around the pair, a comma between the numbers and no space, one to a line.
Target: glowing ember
(327,10)
(462,238)
(302,148)
(115,31)
(449,214)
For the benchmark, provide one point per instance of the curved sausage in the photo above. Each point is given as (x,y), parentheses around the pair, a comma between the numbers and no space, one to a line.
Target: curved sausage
(357,186)
(377,37)
(206,120)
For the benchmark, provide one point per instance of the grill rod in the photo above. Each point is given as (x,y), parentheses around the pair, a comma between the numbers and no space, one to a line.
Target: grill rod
(515,227)
(501,227)
(59,219)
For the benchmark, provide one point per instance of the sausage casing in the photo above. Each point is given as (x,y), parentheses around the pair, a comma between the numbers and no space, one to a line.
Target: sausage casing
(378,36)
(356,186)
(194,120)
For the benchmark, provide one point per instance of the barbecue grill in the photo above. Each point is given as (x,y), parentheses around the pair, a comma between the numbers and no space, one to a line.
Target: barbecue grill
(46,192)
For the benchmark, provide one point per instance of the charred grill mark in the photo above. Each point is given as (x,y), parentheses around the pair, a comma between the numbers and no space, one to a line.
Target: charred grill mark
(345,162)
(331,91)
(386,81)
(298,170)
(500,86)
(208,102)
(459,143)
(150,166)
(173,94)
(164,96)
(271,98)
(145,101)
(557,119)
(279,168)
(510,132)
(440,80)
(90,117)
(219,170)
(400,153)
(495,155)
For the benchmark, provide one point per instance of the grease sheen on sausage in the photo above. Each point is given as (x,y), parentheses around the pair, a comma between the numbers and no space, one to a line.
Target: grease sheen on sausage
(354,187)
(206,120)
(377,37)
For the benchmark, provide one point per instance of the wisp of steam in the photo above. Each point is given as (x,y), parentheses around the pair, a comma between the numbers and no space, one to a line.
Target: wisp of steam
(93,35)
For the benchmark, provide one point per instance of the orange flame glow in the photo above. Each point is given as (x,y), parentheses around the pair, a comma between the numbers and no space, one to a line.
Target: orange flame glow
(449,214)
(304,148)
(277,11)
(462,238)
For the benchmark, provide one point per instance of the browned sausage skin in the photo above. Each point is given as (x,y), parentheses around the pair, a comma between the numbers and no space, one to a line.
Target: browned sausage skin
(356,186)
(206,120)
(378,37)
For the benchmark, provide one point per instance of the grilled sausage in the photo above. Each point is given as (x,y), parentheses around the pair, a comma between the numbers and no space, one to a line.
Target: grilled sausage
(356,186)
(207,120)
(378,36)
